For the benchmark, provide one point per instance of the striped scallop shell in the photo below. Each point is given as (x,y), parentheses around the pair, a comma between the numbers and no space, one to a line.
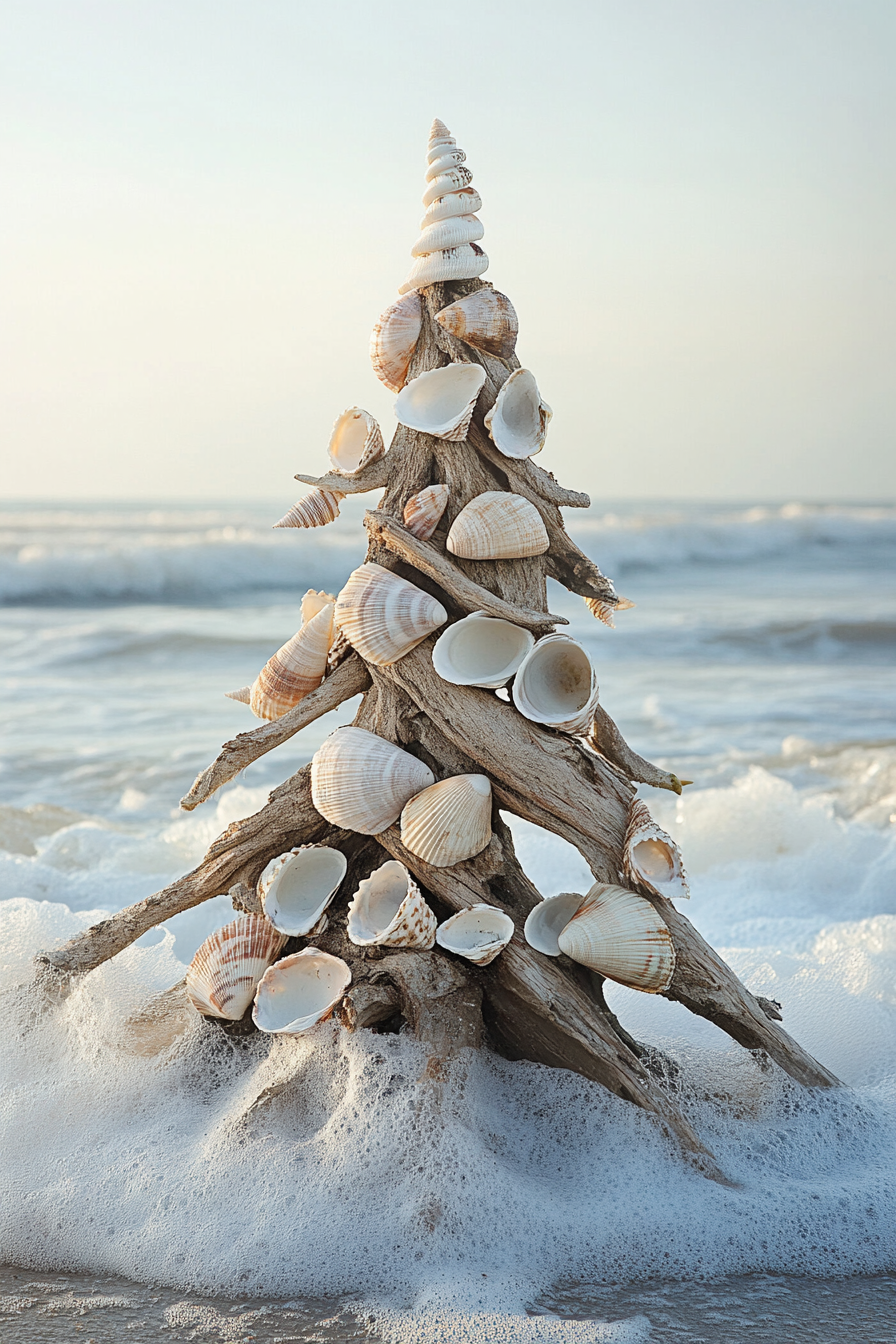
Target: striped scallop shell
(447,249)
(224,973)
(360,781)
(300,991)
(388,910)
(394,340)
(556,685)
(318,508)
(383,616)
(486,319)
(620,935)
(441,401)
(450,821)
(356,441)
(423,511)
(296,669)
(296,887)
(478,933)
(651,858)
(498,525)
(518,421)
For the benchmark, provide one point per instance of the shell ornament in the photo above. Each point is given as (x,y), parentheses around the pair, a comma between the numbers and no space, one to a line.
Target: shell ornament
(651,858)
(447,248)
(318,508)
(388,910)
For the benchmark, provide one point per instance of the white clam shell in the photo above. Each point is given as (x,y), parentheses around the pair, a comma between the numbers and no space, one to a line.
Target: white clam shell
(518,421)
(620,935)
(556,685)
(449,821)
(548,919)
(299,991)
(650,856)
(318,508)
(223,975)
(448,233)
(464,202)
(388,910)
(394,340)
(383,616)
(464,262)
(423,511)
(361,782)
(481,650)
(296,669)
(355,442)
(441,401)
(498,525)
(479,933)
(486,319)
(296,887)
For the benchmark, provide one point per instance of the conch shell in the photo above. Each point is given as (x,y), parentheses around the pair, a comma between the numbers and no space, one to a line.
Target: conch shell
(361,782)
(651,858)
(296,669)
(441,401)
(481,650)
(556,685)
(388,910)
(498,525)
(478,933)
(318,508)
(548,919)
(447,248)
(486,319)
(394,340)
(296,887)
(383,616)
(423,511)
(300,991)
(518,421)
(450,821)
(356,441)
(224,973)
(621,935)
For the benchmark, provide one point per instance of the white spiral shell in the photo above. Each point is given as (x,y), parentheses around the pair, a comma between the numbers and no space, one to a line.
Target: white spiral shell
(318,508)
(447,248)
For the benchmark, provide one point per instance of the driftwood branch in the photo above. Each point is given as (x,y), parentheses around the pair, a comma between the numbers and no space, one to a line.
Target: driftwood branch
(375,476)
(606,738)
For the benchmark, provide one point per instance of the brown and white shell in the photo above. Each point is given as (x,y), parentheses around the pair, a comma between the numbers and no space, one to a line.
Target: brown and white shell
(556,685)
(423,511)
(518,421)
(318,508)
(299,991)
(604,611)
(498,525)
(441,401)
(296,887)
(621,935)
(486,319)
(223,975)
(449,821)
(481,650)
(394,340)
(388,910)
(447,249)
(361,781)
(651,857)
(478,933)
(384,616)
(355,442)
(296,669)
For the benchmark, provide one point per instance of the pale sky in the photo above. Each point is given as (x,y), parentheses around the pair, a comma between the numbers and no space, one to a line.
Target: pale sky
(207,203)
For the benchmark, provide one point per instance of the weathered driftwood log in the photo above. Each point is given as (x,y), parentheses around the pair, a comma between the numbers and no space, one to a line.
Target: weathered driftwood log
(606,738)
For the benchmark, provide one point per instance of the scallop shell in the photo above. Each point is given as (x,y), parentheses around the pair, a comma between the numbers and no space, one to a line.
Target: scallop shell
(423,511)
(296,669)
(388,910)
(441,401)
(447,248)
(498,525)
(383,616)
(318,508)
(244,695)
(361,782)
(224,973)
(518,421)
(300,991)
(313,601)
(478,933)
(450,821)
(651,858)
(556,685)
(620,935)
(454,263)
(356,441)
(296,887)
(486,319)
(548,919)
(394,340)
(445,234)
(481,650)
(604,611)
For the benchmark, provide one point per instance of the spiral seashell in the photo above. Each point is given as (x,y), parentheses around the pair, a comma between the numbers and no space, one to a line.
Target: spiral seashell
(244,695)
(313,601)
(394,340)
(423,511)
(441,401)
(383,616)
(478,933)
(604,611)
(295,670)
(223,975)
(481,650)
(318,508)
(486,319)
(548,919)
(388,910)
(300,991)
(296,887)
(556,685)
(620,935)
(361,782)
(651,858)
(450,821)
(447,248)
(498,525)
(454,263)
(518,421)
(356,441)
(445,234)
(465,202)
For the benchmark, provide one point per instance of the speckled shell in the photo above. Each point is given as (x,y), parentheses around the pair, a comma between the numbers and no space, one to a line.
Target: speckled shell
(383,616)
(479,933)
(651,858)
(604,611)
(361,782)
(423,511)
(441,401)
(447,249)
(556,685)
(548,919)
(224,973)
(481,650)
(318,508)
(296,887)
(356,441)
(300,991)
(394,340)
(450,821)
(388,910)
(620,935)
(498,525)
(518,421)
(486,319)
(296,669)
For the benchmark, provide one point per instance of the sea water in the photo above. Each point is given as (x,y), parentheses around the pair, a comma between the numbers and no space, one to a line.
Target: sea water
(307,1176)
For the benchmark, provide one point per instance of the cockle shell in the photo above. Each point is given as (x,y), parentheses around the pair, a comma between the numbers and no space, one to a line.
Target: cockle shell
(296,669)
(556,685)
(447,248)
(450,821)
(224,973)
(518,421)
(651,858)
(481,650)
(356,441)
(620,935)
(361,782)
(423,511)
(394,340)
(486,319)
(478,933)
(441,401)
(388,910)
(604,611)
(300,991)
(498,525)
(318,508)
(296,887)
(383,616)
(547,920)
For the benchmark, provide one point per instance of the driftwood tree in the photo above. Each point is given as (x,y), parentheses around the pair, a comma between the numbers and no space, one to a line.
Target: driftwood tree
(549,1010)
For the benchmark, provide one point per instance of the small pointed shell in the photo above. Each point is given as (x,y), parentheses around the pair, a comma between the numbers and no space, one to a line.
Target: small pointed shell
(361,782)
(441,401)
(313,601)
(394,340)
(478,933)
(464,202)
(486,319)
(448,233)
(300,991)
(244,695)
(651,858)
(556,685)
(318,508)
(356,441)
(620,935)
(450,821)
(481,650)
(423,511)
(388,910)
(296,669)
(224,973)
(296,887)
(498,525)
(548,919)
(518,421)
(464,262)
(383,616)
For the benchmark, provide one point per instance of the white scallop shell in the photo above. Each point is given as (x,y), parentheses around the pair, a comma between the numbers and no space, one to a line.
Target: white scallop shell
(556,685)
(441,401)
(394,340)
(464,262)
(478,933)
(355,442)
(224,973)
(498,525)
(620,935)
(361,782)
(423,511)
(481,650)
(486,319)
(448,233)
(383,616)
(464,202)
(449,821)
(313,601)
(300,991)
(518,421)
(651,857)
(388,910)
(296,669)
(318,508)
(296,887)
(548,919)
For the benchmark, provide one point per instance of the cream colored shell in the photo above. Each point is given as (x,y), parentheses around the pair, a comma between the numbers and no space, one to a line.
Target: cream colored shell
(296,669)
(620,935)
(423,511)
(441,401)
(651,858)
(383,616)
(518,421)
(481,650)
(449,821)
(360,781)
(448,233)
(498,525)
(300,991)
(455,263)
(388,910)
(394,340)
(313,601)
(318,508)
(223,975)
(478,933)
(355,442)
(556,685)
(547,920)
(447,248)
(486,319)
(296,887)
(464,202)
(243,695)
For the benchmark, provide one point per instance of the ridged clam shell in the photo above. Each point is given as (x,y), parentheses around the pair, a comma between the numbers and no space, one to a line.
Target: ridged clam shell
(423,511)
(296,669)
(486,319)
(318,508)
(224,973)
(454,263)
(388,910)
(481,650)
(300,991)
(244,695)
(355,442)
(498,525)
(361,782)
(620,935)
(383,616)
(464,202)
(394,340)
(448,233)
(548,919)
(313,601)
(478,933)
(450,821)
(518,421)
(556,685)
(651,858)
(441,401)
(296,887)
(604,611)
